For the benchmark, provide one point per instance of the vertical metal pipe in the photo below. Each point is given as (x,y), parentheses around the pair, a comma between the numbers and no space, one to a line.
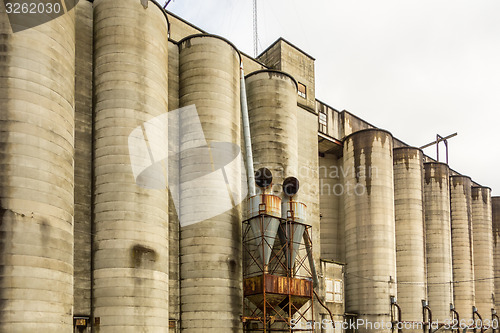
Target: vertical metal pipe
(246,134)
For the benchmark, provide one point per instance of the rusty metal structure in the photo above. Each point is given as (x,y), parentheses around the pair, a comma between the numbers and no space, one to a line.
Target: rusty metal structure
(277,276)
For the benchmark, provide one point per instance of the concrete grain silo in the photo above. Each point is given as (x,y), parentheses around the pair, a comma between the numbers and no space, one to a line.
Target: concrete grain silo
(438,239)
(482,235)
(461,245)
(369,225)
(410,231)
(210,248)
(130,264)
(495,205)
(37,73)
(272,107)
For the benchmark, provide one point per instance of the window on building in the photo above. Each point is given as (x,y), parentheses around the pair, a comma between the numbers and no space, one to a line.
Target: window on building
(334,291)
(302,90)
(323,122)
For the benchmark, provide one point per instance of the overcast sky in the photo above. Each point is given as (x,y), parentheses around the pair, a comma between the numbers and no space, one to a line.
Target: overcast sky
(415,68)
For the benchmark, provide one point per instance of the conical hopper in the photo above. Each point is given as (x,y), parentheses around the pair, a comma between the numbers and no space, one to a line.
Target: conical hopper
(265,210)
(291,233)
(264,230)
(291,236)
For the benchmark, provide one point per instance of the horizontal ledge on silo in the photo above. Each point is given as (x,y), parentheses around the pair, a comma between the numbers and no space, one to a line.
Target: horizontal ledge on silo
(185,39)
(368,130)
(273,71)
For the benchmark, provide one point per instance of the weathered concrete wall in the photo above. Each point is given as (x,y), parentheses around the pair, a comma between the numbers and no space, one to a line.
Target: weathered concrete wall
(410,231)
(461,245)
(83,159)
(37,87)
(130,290)
(369,225)
(341,247)
(284,56)
(180,28)
(272,56)
(438,239)
(301,66)
(330,194)
(250,65)
(495,205)
(483,250)
(333,120)
(210,250)
(308,177)
(351,124)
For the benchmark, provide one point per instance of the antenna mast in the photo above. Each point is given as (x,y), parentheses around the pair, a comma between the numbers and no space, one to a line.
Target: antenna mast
(255,32)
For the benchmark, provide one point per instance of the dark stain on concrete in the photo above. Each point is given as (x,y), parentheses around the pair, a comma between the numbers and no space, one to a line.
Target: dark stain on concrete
(405,154)
(495,204)
(232,265)
(482,191)
(274,73)
(486,194)
(436,171)
(44,232)
(4,52)
(142,256)
(363,142)
(463,181)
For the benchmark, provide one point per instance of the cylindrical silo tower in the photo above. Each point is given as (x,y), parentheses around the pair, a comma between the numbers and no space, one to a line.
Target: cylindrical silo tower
(482,235)
(210,193)
(130,264)
(36,185)
(461,245)
(272,106)
(438,239)
(410,231)
(369,225)
(495,208)
(37,73)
